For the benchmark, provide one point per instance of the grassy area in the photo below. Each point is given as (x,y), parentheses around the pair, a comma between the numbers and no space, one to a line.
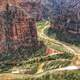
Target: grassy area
(40,24)
(56,64)
(62,56)
(32,63)
(50,62)
(48,58)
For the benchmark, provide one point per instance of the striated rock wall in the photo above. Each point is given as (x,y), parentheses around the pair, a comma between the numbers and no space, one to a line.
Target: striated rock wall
(17,29)
(34,8)
(67,16)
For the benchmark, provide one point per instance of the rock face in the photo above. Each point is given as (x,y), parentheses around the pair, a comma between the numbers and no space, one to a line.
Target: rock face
(66,21)
(17,29)
(67,16)
(11,2)
(38,8)
(33,8)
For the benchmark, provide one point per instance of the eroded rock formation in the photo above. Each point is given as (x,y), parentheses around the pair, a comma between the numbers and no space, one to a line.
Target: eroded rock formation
(17,29)
(34,8)
(67,16)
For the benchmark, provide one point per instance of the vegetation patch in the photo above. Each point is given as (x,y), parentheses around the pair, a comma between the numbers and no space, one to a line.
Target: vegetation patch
(41,24)
(56,75)
(56,64)
(62,56)
(63,36)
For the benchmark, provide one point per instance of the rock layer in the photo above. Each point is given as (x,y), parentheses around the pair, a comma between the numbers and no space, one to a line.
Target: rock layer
(17,29)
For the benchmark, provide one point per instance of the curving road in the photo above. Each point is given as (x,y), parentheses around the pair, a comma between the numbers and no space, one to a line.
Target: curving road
(67,47)
(44,36)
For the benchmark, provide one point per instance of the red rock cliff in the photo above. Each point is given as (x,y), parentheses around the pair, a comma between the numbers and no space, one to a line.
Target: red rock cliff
(17,28)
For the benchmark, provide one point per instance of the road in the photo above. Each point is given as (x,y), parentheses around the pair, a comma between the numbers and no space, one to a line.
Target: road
(10,76)
(44,36)
(69,48)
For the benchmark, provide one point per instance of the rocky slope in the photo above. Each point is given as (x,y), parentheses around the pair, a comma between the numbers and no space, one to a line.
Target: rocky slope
(45,8)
